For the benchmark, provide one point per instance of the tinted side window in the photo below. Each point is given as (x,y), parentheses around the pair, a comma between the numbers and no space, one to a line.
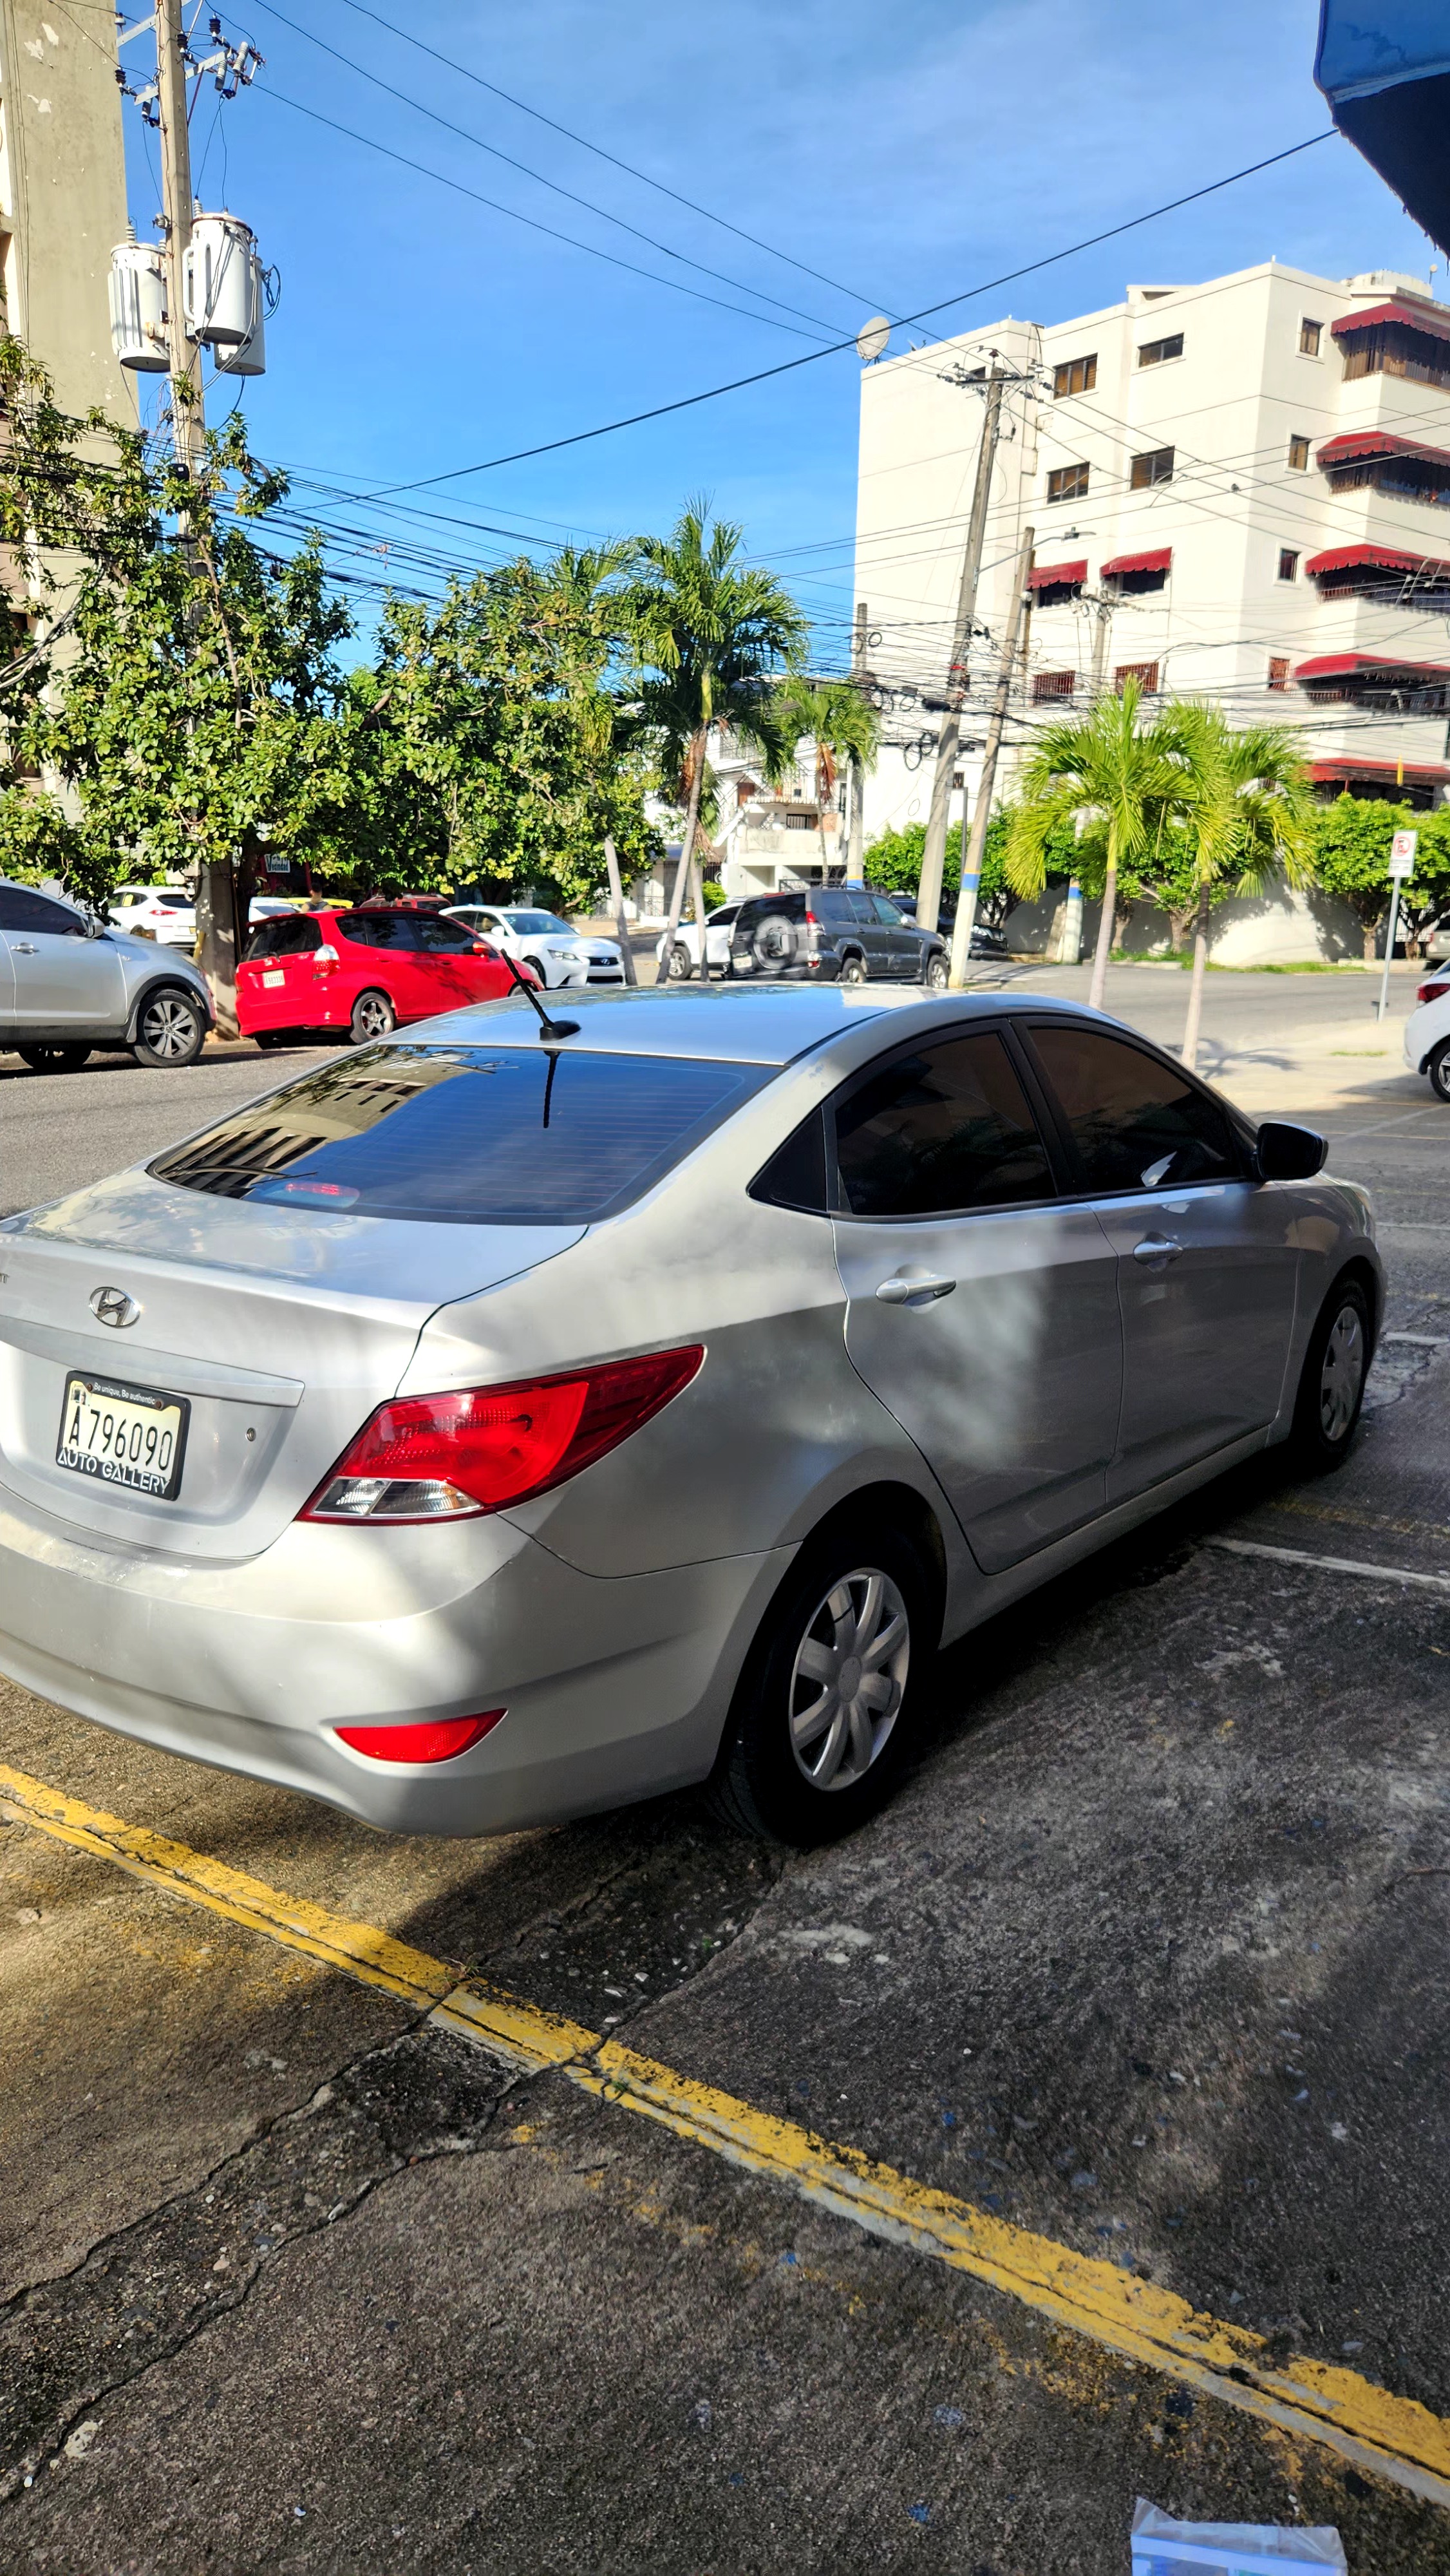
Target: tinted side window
(796,1175)
(944,1129)
(288,936)
(832,906)
(436,937)
(885,911)
(22,910)
(1136,1122)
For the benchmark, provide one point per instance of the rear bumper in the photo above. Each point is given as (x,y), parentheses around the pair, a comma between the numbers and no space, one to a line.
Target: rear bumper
(614,1689)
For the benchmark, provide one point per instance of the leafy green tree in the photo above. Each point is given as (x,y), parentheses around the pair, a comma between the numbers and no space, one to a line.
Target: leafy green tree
(1352,860)
(1116,772)
(1247,813)
(842,724)
(893,862)
(710,634)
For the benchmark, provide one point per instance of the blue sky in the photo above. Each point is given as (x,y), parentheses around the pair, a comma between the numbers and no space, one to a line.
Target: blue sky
(905,154)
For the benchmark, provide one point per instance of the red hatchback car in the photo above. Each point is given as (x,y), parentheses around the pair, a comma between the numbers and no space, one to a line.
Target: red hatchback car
(366,972)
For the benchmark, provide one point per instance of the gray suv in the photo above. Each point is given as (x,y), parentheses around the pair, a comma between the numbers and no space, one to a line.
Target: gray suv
(836,934)
(69,983)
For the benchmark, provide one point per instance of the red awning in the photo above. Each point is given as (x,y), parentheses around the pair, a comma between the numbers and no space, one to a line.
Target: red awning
(1434,319)
(1048,576)
(1355,443)
(1366,666)
(1161,561)
(1389,558)
(1324,771)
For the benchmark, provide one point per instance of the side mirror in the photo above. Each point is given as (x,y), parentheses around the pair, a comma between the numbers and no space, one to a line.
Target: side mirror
(1286,1153)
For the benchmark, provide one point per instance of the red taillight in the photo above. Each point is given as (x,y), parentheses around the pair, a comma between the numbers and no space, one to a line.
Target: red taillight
(437,1740)
(447,1457)
(1432,991)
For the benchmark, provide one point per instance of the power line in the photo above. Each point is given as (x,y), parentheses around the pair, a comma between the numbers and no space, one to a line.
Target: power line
(788,366)
(405,37)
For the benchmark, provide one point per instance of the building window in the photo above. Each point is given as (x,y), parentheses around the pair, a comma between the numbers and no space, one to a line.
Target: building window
(1067,483)
(1145,673)
(1052,684)
(1310,335)
(1395,349)
(1156,353)
(1279,671)
(1075,376)
(1299,453)
(1155,467)
(801,822)
(1288,564)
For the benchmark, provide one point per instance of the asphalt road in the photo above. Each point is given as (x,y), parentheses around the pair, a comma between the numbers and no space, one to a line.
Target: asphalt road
(1149,1960)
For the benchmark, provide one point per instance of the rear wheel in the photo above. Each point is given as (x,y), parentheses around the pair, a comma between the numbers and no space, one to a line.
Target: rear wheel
(373,1016)
(681,964)
(936,973)
(1331,1386)
(819,1728)
(54,1059)
(170,1029)
(1438,1070)
(853,970)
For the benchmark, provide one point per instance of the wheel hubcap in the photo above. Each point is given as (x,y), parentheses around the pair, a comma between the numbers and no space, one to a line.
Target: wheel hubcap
(373,1019)
(169,1028)
(1341,1374)
(848,1679)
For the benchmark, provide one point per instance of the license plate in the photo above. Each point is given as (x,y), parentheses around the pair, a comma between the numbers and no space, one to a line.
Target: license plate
(129,1436)
(278,978)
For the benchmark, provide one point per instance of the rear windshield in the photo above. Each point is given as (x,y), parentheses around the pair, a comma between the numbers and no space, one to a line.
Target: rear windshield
(466,1135)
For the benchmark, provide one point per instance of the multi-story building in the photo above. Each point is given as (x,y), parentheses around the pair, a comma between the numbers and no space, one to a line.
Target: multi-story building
(62,196)
(1238,490)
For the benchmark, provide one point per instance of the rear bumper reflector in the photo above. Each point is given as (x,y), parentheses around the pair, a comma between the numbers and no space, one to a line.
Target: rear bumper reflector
(438,1740)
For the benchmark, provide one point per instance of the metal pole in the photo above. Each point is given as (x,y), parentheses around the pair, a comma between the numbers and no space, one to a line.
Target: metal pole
(928,902)
(972,862)
(188,417)
(1384,1000)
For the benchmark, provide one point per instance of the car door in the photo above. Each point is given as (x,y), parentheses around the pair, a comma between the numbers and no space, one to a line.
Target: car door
(1207,1255)
(63,979)
(867,911)
(899,943)
(441,959)
(981,1308)
(718,926)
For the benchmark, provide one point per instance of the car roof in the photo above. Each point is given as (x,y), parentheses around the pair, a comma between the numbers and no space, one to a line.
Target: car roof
(731,1024)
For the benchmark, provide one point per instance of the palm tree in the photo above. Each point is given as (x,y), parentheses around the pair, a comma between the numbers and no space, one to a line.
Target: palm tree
(842,724)
(1120,772)
(710,634)
(1245,805)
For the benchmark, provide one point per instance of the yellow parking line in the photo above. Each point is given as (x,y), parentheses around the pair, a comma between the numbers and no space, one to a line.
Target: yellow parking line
(1392,2437)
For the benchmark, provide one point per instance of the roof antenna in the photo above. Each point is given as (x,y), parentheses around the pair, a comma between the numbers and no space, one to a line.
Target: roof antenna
(550,1028)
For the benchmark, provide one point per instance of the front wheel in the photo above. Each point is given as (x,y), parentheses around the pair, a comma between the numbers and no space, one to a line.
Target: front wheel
(1331,1385)
(1438,1070)
(936,973)
(171,1029)
(373,1016)
(820,1723)
(54,1059)
(681,965)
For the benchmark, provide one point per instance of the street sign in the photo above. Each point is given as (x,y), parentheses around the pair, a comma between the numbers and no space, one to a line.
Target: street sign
(1402,854)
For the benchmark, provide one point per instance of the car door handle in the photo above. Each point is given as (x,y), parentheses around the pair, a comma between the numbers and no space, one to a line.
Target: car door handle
(1156,1251)
(25,948)
(914,1288)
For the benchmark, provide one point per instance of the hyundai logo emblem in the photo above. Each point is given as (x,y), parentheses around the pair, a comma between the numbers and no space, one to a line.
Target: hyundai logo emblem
(113,1306)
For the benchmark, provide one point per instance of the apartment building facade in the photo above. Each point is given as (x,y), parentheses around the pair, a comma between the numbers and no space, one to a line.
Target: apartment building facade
(62,196)
(1239,489)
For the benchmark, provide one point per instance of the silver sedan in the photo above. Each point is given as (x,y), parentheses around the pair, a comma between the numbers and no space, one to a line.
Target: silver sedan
(511,1420)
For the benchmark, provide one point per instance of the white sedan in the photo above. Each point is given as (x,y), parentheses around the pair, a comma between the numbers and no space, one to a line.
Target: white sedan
(1427,1033)
(682,959)
(166,914)
(559,955)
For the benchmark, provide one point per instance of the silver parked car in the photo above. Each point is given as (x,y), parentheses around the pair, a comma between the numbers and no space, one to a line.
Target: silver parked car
(70,983)
(506,1421)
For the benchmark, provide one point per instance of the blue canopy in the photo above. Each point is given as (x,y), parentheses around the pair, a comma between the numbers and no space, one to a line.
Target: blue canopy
(1384,66)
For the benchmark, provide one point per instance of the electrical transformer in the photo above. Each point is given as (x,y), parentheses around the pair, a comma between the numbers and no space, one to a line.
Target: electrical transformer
(222,281)
(138,307)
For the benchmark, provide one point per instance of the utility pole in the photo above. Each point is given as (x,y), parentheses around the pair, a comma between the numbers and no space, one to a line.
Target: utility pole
(855,776)
(188,416)
(928,901)
(972,858)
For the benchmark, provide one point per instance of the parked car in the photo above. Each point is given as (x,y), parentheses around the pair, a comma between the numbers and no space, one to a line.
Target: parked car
(681,958)
(519,1423)
(364,973)
(69,983)
(1427,1034)
(559,956)
(985,942)
(835,934)
(166,914)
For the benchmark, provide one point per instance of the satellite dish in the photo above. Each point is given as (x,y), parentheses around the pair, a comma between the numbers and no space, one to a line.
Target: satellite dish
(872,337)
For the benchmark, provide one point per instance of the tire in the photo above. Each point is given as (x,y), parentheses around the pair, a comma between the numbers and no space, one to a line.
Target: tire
(936,974)
(535,966)
(373,1016)
(774,943)
(853,970)
(679,965)
(857,1572)
(170,1029)
(1331,1387)
(1438,1070)
(54,1059)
